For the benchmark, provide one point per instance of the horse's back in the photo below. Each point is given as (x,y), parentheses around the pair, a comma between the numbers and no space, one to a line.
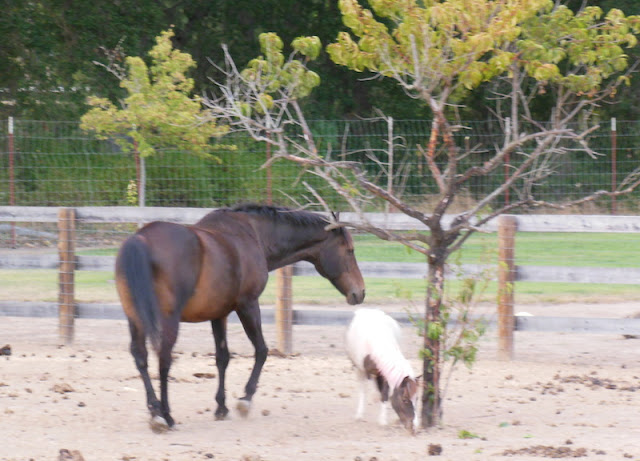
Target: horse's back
(175,250)
(226,221)
(232,245)
(233,271)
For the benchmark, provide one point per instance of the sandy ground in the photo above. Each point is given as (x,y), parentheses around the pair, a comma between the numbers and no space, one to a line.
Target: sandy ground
(564,395)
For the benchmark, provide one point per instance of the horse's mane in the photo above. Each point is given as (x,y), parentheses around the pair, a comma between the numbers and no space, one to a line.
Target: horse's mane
(298,218)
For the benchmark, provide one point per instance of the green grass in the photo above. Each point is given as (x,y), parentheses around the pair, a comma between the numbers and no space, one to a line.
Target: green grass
(42,285)
(98,252)
(535,249)
(559,249)
(98,286)
(578,249)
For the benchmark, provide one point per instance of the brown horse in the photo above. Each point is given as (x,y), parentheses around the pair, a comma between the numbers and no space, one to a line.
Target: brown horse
(167,273)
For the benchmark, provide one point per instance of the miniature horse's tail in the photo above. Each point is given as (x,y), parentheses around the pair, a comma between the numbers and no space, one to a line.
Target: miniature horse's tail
(134,264)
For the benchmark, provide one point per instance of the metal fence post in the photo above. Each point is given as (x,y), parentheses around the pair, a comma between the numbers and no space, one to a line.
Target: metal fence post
(12,180)
(507,226)
(506,160)
(66,273)
(614,166)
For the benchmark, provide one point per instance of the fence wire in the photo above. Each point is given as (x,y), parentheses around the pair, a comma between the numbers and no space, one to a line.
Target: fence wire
(58,164)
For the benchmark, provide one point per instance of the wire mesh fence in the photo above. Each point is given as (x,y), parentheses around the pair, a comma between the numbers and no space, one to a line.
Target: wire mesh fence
(57,164)
(47,163)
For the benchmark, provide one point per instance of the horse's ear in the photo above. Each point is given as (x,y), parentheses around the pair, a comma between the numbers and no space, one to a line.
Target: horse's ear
(336,222)
(409,386)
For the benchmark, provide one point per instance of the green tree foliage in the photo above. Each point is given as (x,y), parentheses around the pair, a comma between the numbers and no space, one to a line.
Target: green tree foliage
(579,51)
(49,47)
(264,97)
(269,73)
(627,108)
(159,110)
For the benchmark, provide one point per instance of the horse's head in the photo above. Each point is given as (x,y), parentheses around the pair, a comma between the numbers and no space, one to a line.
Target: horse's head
(404,401)
(336,261)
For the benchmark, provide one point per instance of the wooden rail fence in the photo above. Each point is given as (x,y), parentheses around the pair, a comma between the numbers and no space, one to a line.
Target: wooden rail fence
(67,262)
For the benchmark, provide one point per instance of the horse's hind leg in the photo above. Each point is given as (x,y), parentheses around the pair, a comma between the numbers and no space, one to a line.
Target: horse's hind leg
(219,328)
(139,352)
(169,336)
(250,318)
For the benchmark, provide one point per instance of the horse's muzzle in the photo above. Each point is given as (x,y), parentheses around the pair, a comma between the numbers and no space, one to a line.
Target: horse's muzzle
(355,297)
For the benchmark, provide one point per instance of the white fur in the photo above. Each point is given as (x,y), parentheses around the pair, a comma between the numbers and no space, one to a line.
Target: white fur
(376,334)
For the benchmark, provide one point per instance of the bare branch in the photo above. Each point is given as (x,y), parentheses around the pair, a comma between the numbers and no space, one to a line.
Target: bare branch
(115,60)
(511,147)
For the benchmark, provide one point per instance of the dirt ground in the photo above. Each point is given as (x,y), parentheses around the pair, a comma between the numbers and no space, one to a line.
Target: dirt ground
(564,395)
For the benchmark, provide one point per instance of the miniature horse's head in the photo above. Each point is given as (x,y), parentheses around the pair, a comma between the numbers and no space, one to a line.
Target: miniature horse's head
(336,261)
(404,401)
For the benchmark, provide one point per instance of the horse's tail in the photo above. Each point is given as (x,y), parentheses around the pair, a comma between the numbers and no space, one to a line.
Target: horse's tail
(134,261)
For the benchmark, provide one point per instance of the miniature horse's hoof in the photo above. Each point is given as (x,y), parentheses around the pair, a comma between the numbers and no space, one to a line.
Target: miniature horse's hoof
(243,406)
(159,425)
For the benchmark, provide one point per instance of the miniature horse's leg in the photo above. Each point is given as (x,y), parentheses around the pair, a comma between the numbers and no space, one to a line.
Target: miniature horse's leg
(219,328)
(139,352)
(169,335)
(362,394)
(250,317)
(383,387)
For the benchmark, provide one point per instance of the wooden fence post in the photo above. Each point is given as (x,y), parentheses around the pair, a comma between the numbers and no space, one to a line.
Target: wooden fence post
(67,257)
(507,226)
(284,309)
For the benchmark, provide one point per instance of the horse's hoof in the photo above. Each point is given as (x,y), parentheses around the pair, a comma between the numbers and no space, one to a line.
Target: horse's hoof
(221,414)
(158,424)
(243,407)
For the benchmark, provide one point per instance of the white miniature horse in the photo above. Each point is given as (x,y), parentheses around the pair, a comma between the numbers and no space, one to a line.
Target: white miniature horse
(372,345)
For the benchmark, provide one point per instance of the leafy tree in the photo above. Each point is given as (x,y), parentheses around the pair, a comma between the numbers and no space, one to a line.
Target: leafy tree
(440,52)
(159,111)
(49,47)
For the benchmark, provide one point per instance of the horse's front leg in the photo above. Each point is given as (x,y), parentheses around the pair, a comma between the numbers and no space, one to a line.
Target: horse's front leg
(219,328)
(250,317)
(383,387)
(362,394)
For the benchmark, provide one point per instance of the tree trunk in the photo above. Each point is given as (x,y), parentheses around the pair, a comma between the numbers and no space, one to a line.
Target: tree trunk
(431,404)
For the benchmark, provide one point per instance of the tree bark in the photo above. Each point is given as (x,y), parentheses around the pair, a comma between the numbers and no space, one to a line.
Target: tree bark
(431,403)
